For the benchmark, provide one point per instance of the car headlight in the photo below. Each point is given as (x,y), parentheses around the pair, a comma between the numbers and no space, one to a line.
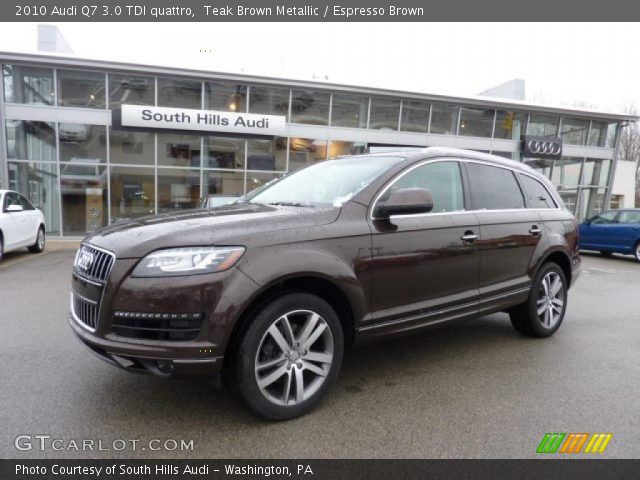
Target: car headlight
(187,261)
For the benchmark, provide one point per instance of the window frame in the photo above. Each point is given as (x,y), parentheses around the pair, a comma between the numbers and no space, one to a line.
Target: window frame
(466,199)
(523,189)
(622,212)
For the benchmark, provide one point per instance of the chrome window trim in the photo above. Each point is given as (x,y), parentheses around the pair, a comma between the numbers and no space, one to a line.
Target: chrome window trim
(456,212)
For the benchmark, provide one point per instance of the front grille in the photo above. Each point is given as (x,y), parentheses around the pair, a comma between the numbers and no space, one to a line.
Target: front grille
(157,326)
(85,311)
(92,263)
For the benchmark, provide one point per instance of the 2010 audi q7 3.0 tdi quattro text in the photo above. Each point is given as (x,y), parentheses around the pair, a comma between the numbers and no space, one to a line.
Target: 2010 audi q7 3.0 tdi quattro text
(268,291)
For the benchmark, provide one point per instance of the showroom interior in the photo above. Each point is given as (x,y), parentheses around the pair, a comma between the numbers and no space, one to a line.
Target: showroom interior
(59,148)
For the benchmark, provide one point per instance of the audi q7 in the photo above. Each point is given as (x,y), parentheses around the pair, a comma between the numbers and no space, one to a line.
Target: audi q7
(268,291)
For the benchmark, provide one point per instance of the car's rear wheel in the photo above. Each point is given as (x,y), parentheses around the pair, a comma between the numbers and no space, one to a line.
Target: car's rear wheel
(39,245)
(289,356)
(1,247)
(542,314)
(636,251)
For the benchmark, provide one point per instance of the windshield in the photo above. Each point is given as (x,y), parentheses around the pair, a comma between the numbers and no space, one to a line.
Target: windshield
(325,184)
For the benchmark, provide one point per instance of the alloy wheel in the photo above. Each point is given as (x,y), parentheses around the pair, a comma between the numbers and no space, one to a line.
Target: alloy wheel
(294,357)
(40,239)
(551,300)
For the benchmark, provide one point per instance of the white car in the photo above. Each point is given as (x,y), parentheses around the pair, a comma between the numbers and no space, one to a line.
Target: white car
(21,224)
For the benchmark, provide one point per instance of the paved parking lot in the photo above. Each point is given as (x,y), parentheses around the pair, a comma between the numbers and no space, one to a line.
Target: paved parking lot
(476,389)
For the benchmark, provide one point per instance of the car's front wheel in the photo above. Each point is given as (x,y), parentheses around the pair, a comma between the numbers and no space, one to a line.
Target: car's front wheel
(289,356)
(542,314)
(39,245)
(636,251)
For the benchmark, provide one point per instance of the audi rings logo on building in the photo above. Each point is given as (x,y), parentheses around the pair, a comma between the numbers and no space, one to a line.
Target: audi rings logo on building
(543,147)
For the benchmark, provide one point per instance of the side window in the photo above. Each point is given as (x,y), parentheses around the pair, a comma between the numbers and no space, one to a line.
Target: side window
(10,198)
(535,193)
(444,181)
(629,216)
(493,188)
(604,218)
(26,204)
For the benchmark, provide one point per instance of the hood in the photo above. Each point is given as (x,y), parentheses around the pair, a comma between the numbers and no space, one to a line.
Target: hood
(236,224)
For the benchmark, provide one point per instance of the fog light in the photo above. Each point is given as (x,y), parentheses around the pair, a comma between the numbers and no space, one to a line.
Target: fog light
(165,367)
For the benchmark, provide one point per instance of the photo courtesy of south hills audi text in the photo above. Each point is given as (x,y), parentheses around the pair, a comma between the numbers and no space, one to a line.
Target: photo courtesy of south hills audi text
(185,470)
(324,239)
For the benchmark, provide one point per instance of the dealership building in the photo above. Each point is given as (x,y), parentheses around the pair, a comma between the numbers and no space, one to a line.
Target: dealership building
(92,142)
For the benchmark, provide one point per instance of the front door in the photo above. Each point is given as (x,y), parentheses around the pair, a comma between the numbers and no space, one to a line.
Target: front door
(596,233)
(426,266)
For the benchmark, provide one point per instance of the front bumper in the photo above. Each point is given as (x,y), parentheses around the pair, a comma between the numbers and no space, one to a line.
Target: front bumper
(154,359)
(219,298)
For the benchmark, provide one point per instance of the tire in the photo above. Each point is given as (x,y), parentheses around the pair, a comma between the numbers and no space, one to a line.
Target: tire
(40,241)
(541,315)
(276,372)
(1,247)
(636,251)
(606,254)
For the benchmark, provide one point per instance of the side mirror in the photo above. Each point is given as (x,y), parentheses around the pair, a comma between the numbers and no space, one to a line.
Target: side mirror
(405,201)
(14,208)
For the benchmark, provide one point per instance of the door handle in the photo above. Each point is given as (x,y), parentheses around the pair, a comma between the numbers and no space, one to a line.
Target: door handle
(469,237)
(535,230)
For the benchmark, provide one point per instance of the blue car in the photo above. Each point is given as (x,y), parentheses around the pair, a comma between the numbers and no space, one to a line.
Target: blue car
(615,231)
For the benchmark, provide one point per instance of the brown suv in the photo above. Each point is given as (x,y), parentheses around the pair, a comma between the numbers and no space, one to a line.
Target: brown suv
(269,290)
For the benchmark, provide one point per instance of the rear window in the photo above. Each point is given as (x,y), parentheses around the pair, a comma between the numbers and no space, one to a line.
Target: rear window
(493,188)
(535,193)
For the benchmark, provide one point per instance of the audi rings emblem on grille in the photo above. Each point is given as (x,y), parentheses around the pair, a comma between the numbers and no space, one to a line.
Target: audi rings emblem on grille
(85,259)
(543,147)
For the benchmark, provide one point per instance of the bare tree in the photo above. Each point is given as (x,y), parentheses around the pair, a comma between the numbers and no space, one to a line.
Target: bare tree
(629,148)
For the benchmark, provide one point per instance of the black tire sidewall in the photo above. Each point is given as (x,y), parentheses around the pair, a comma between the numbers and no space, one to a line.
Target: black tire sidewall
(532,307)
(245,379)
(35,247)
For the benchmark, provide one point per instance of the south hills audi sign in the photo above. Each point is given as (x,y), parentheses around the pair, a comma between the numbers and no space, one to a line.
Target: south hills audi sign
(543,147)
(165,118)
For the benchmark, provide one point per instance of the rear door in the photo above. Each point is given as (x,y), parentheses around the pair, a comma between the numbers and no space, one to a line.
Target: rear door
(423,267)
(626,231)
(32,219)
(509,233)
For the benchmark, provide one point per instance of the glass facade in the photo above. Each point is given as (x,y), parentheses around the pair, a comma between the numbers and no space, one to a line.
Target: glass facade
(225,97)
(77,88)
(310,107)
(85,174)
(415,116)
(349,111)
(131,89)
(384,114)
(475,122)
(28,85)
(444,119)
(80,142)
(269,101)
(179,92)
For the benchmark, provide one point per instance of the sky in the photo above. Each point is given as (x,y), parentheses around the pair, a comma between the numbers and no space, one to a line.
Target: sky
(573,64)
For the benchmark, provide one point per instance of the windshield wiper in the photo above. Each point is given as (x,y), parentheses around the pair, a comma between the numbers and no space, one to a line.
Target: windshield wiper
(292,204)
